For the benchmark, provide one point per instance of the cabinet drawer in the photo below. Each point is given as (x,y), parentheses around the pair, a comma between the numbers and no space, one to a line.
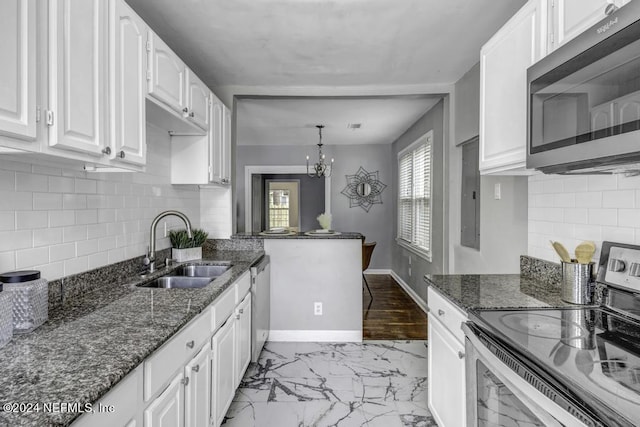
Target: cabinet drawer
(243,285)
(163,364)
(450,316)
(223,307)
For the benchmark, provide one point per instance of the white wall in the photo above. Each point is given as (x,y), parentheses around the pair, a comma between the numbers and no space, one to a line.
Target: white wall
(571,209)
(61,220)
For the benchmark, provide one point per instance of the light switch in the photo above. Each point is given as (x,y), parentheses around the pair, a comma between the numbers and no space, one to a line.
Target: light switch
(497,191)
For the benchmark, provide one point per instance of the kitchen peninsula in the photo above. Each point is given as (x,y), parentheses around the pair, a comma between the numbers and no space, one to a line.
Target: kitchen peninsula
(316,285)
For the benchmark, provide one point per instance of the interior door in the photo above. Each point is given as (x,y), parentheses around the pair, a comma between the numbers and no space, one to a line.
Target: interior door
(77,81)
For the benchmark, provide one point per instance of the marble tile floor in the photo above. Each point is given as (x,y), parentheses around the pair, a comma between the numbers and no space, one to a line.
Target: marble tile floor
(369,384)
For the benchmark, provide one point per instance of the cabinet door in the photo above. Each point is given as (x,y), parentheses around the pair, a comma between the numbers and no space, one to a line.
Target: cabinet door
(167,75)
(446,376)
(571,17)
(216,142)
(243,337)
(18,72)
(167,410)
(503,88)
(198,100)
(128,67)
(226,145)
(223,369)
(77,78)
(197,392)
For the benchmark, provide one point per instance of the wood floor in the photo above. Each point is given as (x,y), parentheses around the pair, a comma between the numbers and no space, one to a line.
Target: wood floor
(392,314)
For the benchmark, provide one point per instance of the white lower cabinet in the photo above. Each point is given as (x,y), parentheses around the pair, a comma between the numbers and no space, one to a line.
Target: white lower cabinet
(223,370)
(446,364)
(197,375)
(167,410)
(243,341)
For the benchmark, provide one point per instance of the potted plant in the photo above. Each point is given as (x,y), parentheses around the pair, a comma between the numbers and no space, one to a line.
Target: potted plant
(184,248)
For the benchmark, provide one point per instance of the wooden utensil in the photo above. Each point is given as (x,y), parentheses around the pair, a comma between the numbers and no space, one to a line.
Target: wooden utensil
(585,251)
(562,252)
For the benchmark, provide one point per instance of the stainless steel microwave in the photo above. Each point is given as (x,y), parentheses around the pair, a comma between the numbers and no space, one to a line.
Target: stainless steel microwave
(583,112)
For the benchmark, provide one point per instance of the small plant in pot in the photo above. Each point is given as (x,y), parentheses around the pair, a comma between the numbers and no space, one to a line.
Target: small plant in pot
(184,248)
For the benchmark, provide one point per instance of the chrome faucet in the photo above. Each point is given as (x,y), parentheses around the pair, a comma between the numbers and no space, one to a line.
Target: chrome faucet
(150,259)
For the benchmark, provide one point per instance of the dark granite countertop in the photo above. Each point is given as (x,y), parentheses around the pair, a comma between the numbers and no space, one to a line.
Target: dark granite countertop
(493,291)
(94,340)
(300,235)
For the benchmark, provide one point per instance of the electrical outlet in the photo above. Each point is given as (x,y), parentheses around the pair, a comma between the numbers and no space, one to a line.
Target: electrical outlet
(166,232)
(409,259)
(409,271)
(497,191)
(317,309)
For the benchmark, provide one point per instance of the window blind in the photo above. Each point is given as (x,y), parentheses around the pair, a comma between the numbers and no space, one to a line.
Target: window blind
(414,194)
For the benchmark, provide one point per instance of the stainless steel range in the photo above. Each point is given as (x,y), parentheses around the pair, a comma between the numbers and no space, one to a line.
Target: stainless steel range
(565,366)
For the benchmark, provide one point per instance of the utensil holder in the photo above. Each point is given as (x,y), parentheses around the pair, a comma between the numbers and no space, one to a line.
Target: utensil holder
(577,282)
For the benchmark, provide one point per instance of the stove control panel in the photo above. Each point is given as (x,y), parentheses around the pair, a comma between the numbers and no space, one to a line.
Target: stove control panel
(623,268)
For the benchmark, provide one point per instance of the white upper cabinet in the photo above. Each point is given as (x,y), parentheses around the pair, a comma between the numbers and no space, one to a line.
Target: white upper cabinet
(18,71)
(127,89)
(167,76)
(197,101)
(77,75)
(226,146)
(571,17)
(216,138)
(504,60)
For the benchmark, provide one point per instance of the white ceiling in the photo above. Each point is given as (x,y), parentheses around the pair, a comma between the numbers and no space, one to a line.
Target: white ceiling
(320,47)
(292,121)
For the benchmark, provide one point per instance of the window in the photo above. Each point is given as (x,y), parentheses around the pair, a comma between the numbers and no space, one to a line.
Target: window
(278,208)
(414,196)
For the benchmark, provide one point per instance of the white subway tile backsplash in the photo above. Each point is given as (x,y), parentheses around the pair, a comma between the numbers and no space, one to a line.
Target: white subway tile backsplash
(31,257)
(603,216)
(63,212)
(47,237)
(31,182)
(629,218)
(62,218)
(31,219)
(74,201)
(619,199)
(7,180)
(61,184)
(7,261)
(85,186)
(7,220)
(62,252)
(607,207)
(47,201)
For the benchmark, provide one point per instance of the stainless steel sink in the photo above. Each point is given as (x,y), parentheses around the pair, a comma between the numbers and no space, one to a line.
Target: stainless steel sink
(202,270)
(178,282)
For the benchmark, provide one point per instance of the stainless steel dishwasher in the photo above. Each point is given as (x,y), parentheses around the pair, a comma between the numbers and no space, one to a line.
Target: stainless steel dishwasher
(260,305)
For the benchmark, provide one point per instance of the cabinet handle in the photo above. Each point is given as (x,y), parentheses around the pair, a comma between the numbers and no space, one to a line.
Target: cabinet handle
(185,110)
(192,114)
(460,355)
(185,381)
(440,312)
(237,316)
(191,344)
(196,368)
(241,310)
(121,154)
(106,150)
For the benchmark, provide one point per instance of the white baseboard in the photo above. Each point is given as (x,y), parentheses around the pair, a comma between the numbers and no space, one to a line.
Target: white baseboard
(377,271)
(315,336)
(414,296)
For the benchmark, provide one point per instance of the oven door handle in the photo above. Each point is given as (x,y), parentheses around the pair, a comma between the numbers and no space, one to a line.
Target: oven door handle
(550,413)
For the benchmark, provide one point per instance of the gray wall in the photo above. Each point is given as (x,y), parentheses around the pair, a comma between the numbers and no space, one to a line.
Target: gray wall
(400,257)
(503,223)
(376,224)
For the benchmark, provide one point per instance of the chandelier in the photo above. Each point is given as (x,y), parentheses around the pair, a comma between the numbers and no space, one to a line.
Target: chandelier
(320,169)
